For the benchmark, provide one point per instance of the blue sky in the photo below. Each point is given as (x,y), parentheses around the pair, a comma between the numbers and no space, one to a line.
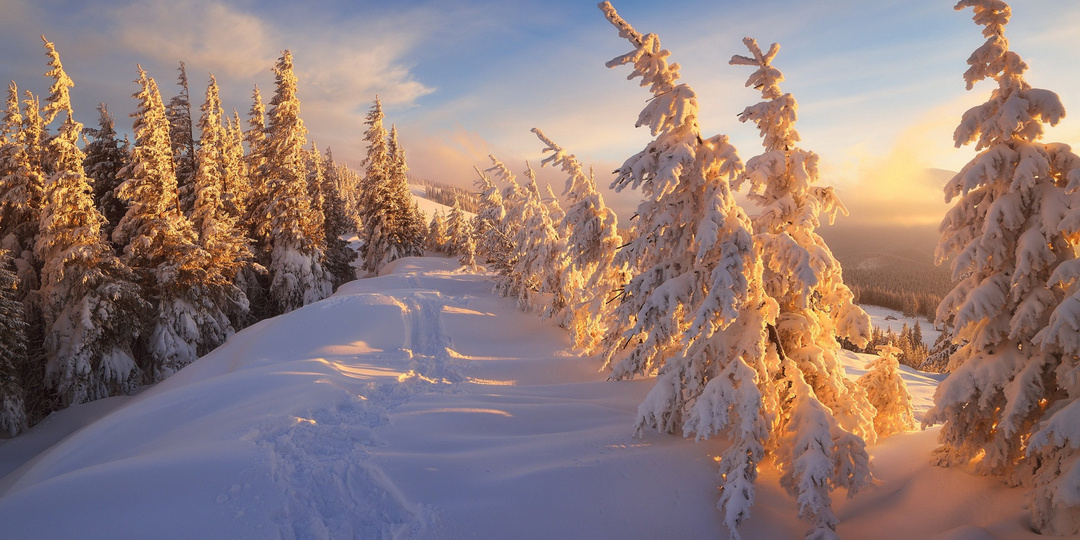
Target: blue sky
(878,83)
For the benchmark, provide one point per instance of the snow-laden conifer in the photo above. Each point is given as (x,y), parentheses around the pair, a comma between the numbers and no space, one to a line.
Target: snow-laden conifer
(1010,402)
(591,240)
(335,220)
(391,223)
(22,186)
(182,140)
(219,233)
(91,307)
(493,240)
(458,230)
(297,276)
(540,254)
(12,351)
(694,311)
(802,276)
(438,238)
(105,156)
(508,282)
(888,393)
(255,203)
(161,245)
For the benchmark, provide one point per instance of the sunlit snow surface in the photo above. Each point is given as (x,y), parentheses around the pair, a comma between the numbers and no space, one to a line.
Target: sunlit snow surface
(419,405)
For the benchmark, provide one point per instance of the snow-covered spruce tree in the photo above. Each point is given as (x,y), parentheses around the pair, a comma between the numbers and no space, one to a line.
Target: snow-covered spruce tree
(458,230)
(372,203)
(888,393)
(438,238)
(91,306)
(335,224)
(592,240)
(182,140)
(493,240)
(253,204)
(1010,402)
(804,278)
(22,187)
(235,183)
(256,203)
(313,163)
(467,257)
(392,225)
(507,281)
(12,351)
(219,233)
(105,156)
(696,312)
(161,246)
(297,276)
(540,254)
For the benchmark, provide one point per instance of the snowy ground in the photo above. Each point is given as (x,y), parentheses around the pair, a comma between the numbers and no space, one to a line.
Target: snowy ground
(885,318)
(419,405)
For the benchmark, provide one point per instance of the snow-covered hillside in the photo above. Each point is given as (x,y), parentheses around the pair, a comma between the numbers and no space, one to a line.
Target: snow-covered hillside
(419,405)
(890,319)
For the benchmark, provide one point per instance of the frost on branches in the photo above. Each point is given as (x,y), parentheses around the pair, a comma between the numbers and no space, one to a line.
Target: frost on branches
(592,240)
(1010,402)
(694,311)
(815,307)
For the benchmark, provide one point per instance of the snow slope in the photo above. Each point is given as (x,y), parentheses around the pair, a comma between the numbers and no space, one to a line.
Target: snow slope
(890,319)
(429,207)
(419,405)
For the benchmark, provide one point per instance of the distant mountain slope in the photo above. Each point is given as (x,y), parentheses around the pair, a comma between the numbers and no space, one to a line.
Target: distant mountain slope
(891,266)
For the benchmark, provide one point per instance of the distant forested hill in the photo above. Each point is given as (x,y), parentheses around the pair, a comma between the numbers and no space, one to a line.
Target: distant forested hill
(891,266)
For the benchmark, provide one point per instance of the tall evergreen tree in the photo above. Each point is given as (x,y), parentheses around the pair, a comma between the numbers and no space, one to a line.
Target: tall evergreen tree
(219,234)
(494,241)
(105,156)
(336,220)
(540,254)
(235,188)
(696,311)
(91,306)
(1010,403)
(182,140)
(256,204)
(160,244)
(592,239)
(803,277)
(391,221)
(508,282)
(296,260)
(13,351)
(458,229)
(22,187)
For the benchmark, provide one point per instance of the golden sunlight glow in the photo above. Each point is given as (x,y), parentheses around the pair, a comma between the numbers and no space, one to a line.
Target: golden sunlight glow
(471,410)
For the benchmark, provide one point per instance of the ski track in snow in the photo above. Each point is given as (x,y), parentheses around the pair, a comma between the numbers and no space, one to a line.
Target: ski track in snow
(322,463)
